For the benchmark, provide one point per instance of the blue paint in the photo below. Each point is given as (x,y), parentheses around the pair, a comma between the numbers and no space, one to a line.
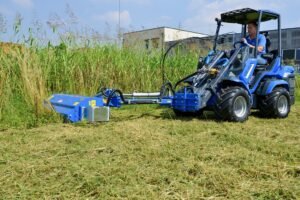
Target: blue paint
(186,101)
(73,107)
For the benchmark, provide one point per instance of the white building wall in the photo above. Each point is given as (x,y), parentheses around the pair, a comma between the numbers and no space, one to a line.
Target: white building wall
(177,34)
(155,38)
(139,39)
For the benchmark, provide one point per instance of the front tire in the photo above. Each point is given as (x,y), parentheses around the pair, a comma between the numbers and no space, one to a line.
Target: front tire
(233,104)
(276,104)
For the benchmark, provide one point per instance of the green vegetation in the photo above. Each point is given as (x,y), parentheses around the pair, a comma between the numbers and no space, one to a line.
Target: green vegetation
(30,75)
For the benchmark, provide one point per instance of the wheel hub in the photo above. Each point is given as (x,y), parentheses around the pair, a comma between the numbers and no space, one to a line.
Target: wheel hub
(282,104)
(240,106)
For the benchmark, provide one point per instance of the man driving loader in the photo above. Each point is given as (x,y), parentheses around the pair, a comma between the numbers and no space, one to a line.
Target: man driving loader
(250,40)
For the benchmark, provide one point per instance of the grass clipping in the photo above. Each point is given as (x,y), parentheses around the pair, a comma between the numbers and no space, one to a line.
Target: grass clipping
(147,153)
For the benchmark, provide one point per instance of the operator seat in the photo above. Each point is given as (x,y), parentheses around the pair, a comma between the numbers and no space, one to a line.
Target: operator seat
(269,55)
(259,73)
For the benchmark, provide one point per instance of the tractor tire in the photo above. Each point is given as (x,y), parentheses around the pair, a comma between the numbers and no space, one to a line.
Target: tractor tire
(277,104)
(233,104)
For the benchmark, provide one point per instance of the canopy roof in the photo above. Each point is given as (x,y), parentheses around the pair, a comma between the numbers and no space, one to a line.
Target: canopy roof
(246,15)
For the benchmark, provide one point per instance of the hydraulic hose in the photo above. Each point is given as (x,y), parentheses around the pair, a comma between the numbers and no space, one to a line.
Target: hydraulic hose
(101,92)
(189,76)
(164,88)
(164,58)
(111,95)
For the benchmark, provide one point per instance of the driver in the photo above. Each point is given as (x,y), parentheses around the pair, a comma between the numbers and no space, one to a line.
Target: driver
(250,40)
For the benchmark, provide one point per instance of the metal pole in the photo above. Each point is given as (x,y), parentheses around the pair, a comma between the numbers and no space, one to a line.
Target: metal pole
(280,51)
(257,32)
(119,28)
(217,33)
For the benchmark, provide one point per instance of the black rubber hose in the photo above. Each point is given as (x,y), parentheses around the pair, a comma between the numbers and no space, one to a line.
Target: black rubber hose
(101,92)
(111,95)
(164,58)
(163,63)
(164,87)
(189,76)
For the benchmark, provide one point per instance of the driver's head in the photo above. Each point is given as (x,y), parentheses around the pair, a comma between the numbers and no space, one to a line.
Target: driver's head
(252,28)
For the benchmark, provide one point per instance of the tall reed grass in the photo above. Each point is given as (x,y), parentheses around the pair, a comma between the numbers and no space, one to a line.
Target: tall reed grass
(29,75)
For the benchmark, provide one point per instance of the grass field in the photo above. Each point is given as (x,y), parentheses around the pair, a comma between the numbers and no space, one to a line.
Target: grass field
(146,152)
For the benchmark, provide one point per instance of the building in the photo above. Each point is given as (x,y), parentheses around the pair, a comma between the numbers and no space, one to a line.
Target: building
(156,38)
(163,37)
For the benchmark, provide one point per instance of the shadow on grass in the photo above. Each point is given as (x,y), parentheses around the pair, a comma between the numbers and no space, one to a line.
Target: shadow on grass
(206,116)
(161,113)
(257,114)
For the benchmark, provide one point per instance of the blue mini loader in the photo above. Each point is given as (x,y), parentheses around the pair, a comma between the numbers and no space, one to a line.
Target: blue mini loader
(230,83)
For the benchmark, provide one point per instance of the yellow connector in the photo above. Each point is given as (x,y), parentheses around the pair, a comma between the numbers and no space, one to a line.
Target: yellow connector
(213,71)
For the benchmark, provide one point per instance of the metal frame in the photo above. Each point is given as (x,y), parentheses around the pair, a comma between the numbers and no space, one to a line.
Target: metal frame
(264,15)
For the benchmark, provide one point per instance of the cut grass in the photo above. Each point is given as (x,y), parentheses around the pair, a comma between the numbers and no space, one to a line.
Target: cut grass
(146,152)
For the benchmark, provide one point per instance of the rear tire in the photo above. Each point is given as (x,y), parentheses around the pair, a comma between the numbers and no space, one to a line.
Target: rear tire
(233,104)
(276,104)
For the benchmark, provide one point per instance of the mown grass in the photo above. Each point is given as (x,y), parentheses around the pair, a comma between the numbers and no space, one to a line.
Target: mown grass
(147,153)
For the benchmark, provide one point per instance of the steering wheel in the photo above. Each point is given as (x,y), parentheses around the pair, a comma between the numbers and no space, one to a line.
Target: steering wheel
(238,42)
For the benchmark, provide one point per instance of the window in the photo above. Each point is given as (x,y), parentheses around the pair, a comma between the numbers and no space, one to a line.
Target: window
(288,54)
(147,44)
(296,42)
(296,33)
(155,42)
(298,54)
(221,40)
(273,35)
(284,44)
(283,34)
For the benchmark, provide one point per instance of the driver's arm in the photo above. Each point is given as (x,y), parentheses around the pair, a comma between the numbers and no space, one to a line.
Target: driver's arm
(261,43)
(244,40)
(260,48)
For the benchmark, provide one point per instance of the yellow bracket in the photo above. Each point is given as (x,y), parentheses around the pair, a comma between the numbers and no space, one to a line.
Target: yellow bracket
(92,103)
(213,71)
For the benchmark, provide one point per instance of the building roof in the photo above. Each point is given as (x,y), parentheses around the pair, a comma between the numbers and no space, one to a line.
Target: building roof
(283,29)
(163,27)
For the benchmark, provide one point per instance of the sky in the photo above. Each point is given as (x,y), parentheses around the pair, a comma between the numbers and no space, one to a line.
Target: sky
(101,16)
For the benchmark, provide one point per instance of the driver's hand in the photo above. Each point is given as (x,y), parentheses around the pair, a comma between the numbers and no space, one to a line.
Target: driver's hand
(246,43)
(244,40)
(227,53)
